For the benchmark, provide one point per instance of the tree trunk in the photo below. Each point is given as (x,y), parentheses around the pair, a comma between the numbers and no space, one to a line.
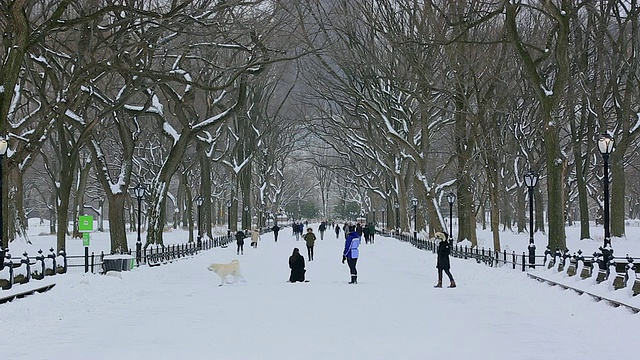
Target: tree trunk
(17,224)
(62,210)
(520,210)
(617,187)
(205,192)
(78,200)
(465,207)
(555,185)
(52,211)
(117,224)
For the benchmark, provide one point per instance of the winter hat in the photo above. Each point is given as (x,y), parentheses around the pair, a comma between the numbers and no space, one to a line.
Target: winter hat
(441,236)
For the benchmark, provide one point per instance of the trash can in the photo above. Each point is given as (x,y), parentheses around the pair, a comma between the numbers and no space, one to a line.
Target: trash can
(117,262)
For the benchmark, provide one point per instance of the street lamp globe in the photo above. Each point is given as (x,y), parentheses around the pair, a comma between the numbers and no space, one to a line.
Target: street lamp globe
(531,179)
(606,144)
(139,191)
(414,202)
(451,198)
(199,200)
(228,203)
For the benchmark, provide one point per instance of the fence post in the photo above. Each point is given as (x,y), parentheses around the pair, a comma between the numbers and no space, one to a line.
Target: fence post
(25,261)
(52,256)
(86,259)
(513,259)
(523,259)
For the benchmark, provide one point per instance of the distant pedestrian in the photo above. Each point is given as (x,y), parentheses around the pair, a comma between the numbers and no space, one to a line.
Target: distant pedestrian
(255,237)
(337,230)
(296,231)
(275,229)
(350,253)
(240,242)
(372,232)
(322,228)
(443,264)
(310,239)
(365,232)
(296,264)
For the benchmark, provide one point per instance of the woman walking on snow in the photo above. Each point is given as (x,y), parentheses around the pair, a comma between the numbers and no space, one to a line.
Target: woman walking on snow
(444,249)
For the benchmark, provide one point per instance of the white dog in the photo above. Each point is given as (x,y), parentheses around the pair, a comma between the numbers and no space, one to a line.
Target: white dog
(223,270)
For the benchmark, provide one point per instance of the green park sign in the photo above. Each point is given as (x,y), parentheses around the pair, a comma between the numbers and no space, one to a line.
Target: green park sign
(85,226)
(85,223)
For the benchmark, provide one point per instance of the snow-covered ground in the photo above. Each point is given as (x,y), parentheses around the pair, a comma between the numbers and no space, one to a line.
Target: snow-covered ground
(177,311)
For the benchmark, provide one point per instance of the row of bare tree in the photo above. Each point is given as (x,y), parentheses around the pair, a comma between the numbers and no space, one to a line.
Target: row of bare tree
(98,96)
(419,98)
(261,103)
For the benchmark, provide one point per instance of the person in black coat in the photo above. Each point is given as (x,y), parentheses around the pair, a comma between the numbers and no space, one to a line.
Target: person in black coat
(275,229)
(444,249)
(296,264)
(240,235)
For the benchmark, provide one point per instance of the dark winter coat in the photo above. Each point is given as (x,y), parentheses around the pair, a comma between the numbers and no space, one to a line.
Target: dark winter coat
(359,229)
(444,249)
(310,238)
(240,237)
(275,228)
(322,227)
(296,264)
(337,230)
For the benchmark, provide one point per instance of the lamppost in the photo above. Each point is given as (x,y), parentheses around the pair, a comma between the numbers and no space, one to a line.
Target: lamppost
(3,151)
(531,180)
(139,192)
(374,217)
(397,206)
(605,145)
(199,201)
(247,223)
(383,218)
(228,218)
(451,198)
(414,202)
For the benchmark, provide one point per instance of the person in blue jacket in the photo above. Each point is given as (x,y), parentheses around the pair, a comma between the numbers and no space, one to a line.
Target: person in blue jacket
(350,254)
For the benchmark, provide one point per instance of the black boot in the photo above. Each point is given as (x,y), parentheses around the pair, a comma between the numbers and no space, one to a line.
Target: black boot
(354,279)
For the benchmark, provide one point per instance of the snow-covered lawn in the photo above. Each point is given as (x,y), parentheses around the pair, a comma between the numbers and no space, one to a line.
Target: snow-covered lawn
(177,311)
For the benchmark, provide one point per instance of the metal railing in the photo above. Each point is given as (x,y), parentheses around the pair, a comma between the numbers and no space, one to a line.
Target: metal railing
(624,268)
(21,270)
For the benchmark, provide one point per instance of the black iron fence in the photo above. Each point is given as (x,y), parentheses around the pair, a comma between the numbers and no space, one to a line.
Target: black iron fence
(21,270)
(617,270)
